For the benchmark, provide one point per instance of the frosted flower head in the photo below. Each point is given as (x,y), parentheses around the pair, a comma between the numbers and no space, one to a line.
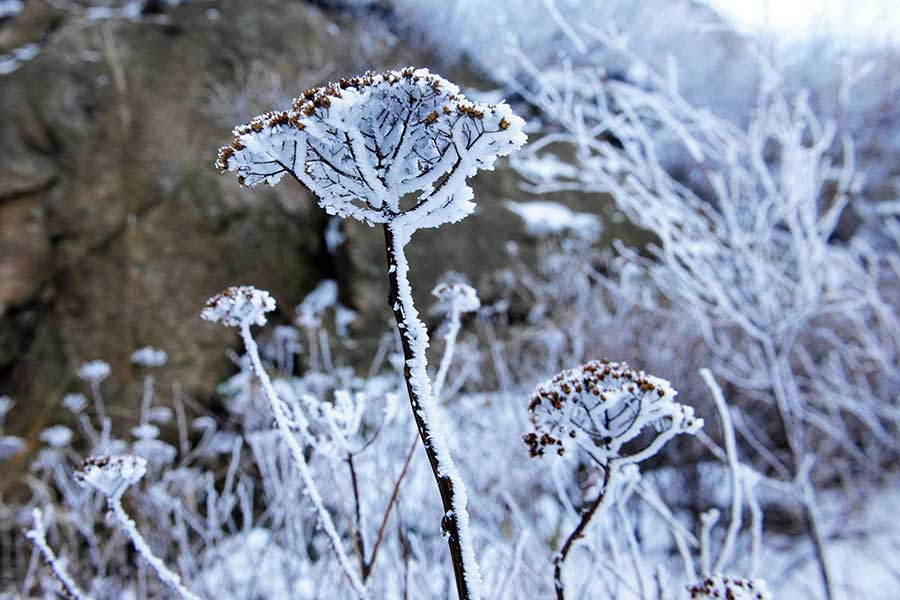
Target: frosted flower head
(57,436)
(601,407)
(362,144)
(149,357)
(719,587)
(94,371)
(110,475)
(239,306)
(456,297)
(75,403)
(156,453)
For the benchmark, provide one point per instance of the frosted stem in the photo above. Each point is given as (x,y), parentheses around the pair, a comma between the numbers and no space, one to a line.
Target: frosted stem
(597,506)
(284,428)
(449,349)
(169,577)
(414,339)
(38,535)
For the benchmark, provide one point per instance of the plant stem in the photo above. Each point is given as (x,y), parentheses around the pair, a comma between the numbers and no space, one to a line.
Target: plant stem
(587,514)
(414,340)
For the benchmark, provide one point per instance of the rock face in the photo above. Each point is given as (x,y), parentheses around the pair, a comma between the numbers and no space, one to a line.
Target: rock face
(114,225)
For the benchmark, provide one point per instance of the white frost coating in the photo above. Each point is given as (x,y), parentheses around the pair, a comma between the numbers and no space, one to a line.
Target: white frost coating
(239,306)
(718,587)
(57,436)
(544,217)
(417,335)
(364,143)
(601,406)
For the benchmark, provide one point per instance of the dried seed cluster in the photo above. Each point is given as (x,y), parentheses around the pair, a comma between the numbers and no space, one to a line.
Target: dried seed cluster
(602,405)
(719,587)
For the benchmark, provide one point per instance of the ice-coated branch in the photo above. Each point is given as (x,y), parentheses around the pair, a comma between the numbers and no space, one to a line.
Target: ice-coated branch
(38,536)
(242,307)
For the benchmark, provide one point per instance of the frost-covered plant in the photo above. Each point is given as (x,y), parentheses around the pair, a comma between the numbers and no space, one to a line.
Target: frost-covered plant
(601,407)
(111,476)
(242,307)
(393,149)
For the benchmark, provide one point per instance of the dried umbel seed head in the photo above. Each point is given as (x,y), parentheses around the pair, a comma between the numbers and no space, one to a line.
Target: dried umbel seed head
(75,403)
(600,407)
(110,475)
(362,144)
(719,587)
(94,371)
(239,306)
(456,297)
(149,357)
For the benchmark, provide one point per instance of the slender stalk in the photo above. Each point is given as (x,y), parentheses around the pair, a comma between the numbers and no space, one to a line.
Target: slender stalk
(414,340)
(171,578)
(603,499)
(284,428)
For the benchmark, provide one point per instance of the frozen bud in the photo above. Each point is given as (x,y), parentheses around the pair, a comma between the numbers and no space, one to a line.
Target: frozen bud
(456,297)
(145,431)
(110,475)
(149,357)
(75,403)
(57,436)
(601,406)
(719,587)
(239,306)
(160,415)
(94,371)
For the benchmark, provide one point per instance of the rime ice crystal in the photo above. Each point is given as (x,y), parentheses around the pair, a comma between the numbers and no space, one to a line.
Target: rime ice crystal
(239,306)
(362,144)
(601,406)
(111,475)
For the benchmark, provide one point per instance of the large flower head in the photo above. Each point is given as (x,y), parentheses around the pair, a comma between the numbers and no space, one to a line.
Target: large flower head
(363,144)
(239,306)
(611,411)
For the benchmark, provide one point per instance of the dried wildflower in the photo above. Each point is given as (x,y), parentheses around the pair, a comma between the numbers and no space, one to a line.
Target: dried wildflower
(149,357)
(110,475)
(719,587)
(94,371)
(239,306)
(10,445)
(602,406)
